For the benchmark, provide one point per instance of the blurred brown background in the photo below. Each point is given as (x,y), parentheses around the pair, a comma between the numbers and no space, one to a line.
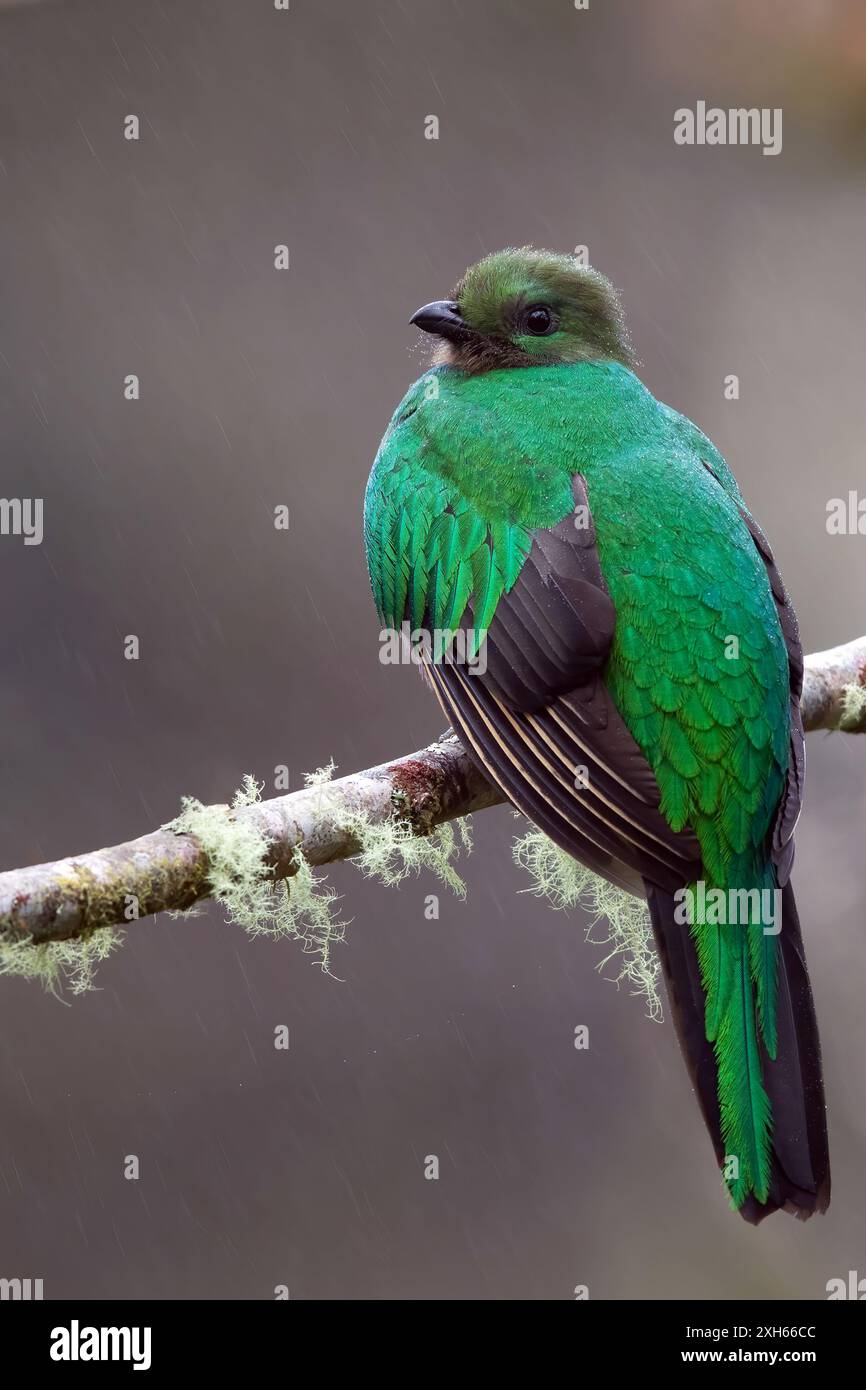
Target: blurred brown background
(259,647)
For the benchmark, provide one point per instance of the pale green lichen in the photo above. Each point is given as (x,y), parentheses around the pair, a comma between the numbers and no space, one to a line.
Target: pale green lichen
(853,714)
(240,879)
(390,851)
(303,907)
(565,883)
(59,964)
(322,775)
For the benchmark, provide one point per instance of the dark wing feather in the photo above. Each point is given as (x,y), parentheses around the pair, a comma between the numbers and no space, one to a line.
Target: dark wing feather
(542,724)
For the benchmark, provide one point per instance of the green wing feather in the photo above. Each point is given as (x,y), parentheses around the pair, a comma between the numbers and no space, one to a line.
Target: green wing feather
(710,714)
(434,544)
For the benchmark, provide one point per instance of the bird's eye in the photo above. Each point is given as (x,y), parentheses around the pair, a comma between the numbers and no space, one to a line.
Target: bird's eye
(539,320)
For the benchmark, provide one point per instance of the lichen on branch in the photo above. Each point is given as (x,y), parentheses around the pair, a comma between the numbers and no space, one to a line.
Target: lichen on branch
(59,965)
(564,882)
(303,907)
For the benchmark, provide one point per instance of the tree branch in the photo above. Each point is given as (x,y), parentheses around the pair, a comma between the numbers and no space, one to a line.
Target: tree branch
(165,871)
(834,690)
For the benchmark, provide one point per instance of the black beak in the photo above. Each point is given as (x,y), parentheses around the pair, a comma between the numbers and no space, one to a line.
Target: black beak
(441,317)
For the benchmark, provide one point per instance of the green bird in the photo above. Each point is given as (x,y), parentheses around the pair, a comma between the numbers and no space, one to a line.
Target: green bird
(631,670)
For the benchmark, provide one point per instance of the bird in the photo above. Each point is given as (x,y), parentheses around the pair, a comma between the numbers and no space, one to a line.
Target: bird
(638,697)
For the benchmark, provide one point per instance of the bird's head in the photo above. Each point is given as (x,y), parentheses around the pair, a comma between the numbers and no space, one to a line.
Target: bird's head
(527,308)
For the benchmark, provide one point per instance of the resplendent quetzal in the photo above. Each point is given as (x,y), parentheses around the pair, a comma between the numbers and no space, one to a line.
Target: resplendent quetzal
(530,487)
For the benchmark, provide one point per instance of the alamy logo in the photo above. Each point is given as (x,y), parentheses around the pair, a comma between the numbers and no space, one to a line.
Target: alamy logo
(847,516)
(20,1290)
(729,907)
(76,1343)
(418,646)
(853,1288)
(738,126)
(22,516)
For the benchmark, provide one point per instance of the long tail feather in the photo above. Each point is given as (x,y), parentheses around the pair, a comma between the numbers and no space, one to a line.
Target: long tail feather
(794,1174)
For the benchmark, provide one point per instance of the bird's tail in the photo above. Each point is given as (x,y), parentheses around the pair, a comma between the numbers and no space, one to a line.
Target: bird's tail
(745,1020)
